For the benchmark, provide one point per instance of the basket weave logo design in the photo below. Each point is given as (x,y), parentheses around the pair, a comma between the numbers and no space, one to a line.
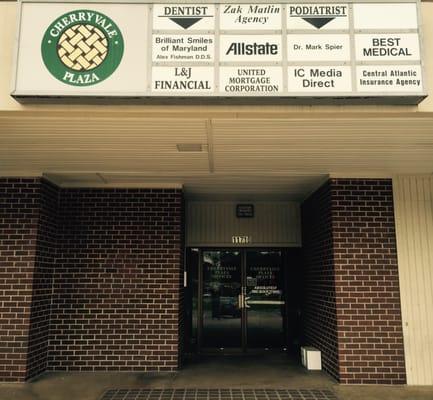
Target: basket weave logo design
(82,48)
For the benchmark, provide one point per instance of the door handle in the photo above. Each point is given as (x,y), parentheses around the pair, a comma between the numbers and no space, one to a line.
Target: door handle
(240,302)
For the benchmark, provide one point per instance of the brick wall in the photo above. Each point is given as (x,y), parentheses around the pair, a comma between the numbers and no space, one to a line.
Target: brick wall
(117,281)
(319,305)
(91,280)
(367,289)
(369,326)
(19,214)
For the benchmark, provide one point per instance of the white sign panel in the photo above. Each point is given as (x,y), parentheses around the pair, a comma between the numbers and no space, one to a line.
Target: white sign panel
(318,47)
(253,48)
(247,81)
(183,80)
(407,78)
(315,17)
(324,78)
(360,50)
(387,47)
(250,16)
(181,17)
(385,16)
(178,48)
(48,32)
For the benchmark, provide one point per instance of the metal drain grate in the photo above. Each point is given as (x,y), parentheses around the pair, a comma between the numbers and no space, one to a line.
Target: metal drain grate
(218,394)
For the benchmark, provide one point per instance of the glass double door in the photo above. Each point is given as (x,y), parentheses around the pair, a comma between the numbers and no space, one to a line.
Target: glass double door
(242,300)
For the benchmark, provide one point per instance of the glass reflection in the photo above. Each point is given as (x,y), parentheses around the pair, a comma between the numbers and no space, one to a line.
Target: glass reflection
(222,326)
(264,299)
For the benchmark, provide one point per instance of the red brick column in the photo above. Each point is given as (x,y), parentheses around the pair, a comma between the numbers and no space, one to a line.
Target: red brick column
(370,331)
(24,265)
(89,279)
(320,309)
(46,246)
(352,290)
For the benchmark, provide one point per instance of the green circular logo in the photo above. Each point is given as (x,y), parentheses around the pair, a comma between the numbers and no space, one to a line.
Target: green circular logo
(82,47)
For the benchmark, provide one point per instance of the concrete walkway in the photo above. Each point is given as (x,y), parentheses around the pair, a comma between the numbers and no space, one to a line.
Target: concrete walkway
(219,372)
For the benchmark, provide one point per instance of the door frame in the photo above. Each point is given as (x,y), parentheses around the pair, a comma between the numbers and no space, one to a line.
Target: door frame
(244,314)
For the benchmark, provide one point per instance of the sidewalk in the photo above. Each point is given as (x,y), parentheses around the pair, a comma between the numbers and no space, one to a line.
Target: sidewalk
(211,373)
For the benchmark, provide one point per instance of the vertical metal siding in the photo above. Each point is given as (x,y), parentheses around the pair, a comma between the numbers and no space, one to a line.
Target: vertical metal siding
(214,224)
(413,198)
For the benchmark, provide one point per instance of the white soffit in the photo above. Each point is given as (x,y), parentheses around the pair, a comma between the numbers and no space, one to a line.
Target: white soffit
(274,152)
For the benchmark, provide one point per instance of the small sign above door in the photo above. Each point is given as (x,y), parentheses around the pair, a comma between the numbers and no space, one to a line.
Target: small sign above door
(241,239)
(245,210)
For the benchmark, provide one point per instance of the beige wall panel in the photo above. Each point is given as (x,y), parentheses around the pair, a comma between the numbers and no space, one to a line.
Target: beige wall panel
(8,24)
(413,198)
(214,224)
